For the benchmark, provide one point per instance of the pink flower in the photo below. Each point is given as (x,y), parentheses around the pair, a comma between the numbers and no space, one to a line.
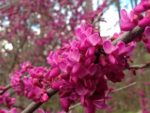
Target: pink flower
(108,46)
(128,21)
(94,39)
(79,71)
(140,7)
(144,22)
(6,100)
(12,110)
(29,81)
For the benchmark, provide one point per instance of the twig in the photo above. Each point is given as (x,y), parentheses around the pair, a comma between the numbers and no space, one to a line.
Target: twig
(140,66)
(74,106)
(33,106)
(6,88)
(125,87)
(129,35)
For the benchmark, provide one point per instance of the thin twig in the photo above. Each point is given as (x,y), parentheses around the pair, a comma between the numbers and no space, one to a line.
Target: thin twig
(74,106)
(140,66)
(6,88)
(125,87)
(129,35)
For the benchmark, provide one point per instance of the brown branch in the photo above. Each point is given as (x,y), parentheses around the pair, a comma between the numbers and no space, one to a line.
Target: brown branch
(140,66)
(129,35)
(125,87)
(6,88)
(74,106)
(33,106)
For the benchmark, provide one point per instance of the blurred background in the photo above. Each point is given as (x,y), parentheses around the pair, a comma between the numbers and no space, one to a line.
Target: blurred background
(29,29)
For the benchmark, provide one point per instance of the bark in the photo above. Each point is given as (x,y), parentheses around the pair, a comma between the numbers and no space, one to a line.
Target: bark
(33,106)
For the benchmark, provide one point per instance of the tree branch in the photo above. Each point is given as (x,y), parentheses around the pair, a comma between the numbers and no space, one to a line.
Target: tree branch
(6,88)
(74,106)
(129,35)
(125,87)
(140,66)
(33,106)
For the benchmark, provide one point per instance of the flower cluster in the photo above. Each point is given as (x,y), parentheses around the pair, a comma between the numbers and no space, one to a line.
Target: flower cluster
(29,81)
(140,16)
(12,110)
(40,110)
(129,21)
(5,99)
(80,70)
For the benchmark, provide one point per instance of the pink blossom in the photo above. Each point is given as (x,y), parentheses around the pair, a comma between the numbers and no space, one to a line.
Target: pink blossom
(6,100)
(83,65)
(144,22)
(30,82)
(108,47)
(12,110)
(128,21)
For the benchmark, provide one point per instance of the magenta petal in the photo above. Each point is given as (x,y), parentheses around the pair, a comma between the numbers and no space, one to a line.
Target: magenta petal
(78,33)
(90,51)
(89,31)
(65,103)
(92,69)
(112,59)
(54,72)
(81,90)
(139,8)
(79,71)
(130,48)
(108,47)
(40,110)
(44,97)
(126,23)
(90,109)
(13,110)
(144,22)
(94,39)
(146,4)
(100,104)
(57,84)
(74,55)
(121,47)
(124,15)
(127,27)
